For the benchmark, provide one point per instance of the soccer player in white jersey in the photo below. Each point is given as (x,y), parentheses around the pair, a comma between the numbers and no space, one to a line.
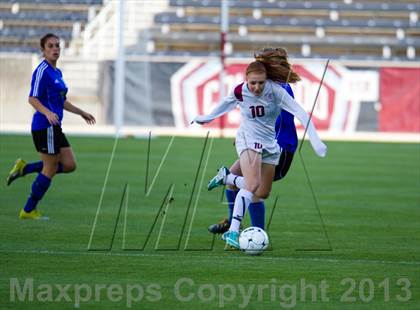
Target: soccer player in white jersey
(286,139)
(256,144)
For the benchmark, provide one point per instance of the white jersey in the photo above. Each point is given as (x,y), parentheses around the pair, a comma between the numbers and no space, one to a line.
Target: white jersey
(259,114)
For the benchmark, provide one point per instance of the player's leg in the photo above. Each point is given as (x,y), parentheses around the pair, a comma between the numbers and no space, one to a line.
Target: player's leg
(17,171)
(228,177)
(256,211)
(230,192)
(267,174)
(40,186)
(257,207)
(281,169)
(234,182)
(250,162)
(67,160)
(286,158)
(21,168)
(48,143)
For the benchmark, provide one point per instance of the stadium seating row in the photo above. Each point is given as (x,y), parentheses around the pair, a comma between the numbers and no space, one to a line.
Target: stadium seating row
(45,15)
(355,29)
(339,28)
(23,32)
(23,22)
(306,5)
(172,18)
(55,2)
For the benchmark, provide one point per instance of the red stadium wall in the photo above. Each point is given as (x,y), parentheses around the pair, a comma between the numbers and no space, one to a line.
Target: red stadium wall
(400,100)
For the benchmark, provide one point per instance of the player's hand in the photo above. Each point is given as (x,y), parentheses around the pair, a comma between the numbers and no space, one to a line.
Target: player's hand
(199,119)
(52,118)
(322,150)
(89,118)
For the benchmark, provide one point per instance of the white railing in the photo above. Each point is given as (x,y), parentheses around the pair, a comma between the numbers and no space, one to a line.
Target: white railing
(100,34)
(97,36)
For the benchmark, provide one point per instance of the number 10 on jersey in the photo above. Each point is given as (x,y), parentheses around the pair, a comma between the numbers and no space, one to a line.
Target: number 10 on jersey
(257,111)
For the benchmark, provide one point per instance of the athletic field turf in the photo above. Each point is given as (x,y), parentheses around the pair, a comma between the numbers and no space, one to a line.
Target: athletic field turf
(115,240)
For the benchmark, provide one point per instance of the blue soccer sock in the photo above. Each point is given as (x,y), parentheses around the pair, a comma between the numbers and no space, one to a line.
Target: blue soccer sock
(32,167)
(39,188)
(257,214)
(37,167)
(230,197)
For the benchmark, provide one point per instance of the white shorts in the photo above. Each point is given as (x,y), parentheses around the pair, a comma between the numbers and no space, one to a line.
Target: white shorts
(270,152)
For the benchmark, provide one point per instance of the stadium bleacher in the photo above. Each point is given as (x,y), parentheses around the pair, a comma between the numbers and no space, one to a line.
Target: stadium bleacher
(23,22)
(351,29)
(58,2)
(337,29)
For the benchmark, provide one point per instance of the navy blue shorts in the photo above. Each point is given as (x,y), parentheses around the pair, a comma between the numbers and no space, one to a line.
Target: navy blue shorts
(50,140)
(283,166)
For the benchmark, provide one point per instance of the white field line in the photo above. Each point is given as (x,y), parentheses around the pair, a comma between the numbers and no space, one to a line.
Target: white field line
(160,166)
(203,172)
(125,214)
(102,193)
(211,258)
(165,213)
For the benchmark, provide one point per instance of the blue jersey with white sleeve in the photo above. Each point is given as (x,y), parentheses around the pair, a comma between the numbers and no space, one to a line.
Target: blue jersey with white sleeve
(49,88)
(285,126)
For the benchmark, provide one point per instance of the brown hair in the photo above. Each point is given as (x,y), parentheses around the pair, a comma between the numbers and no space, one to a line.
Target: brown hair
(257,67)
(45,38)
(277,65)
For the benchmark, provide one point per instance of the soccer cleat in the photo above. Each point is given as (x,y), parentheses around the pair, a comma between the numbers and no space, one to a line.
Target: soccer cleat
(232,238)
(219,179)
(16,172)
(33,215)
(219,228)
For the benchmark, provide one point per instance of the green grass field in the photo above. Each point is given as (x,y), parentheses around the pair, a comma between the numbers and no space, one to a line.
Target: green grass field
(368,196)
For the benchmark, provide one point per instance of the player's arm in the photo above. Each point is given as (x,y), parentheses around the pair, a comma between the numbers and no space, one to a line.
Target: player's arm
(227,105)
(290,105)
(89,118)
(51,116)
(39,87)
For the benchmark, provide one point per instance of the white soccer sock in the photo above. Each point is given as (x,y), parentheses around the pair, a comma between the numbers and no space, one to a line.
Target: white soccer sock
(242,201)
(235,180)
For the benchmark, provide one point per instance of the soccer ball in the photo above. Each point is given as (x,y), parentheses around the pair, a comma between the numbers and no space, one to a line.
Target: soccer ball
(253,240)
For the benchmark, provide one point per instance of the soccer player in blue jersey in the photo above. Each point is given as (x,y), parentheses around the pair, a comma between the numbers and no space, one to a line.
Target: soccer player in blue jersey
(260,101)
(48,97)
(287,140)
